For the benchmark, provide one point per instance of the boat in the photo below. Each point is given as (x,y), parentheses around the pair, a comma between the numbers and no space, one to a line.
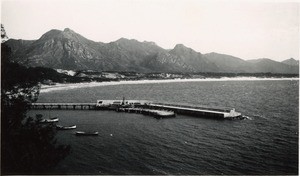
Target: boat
(60,127)
(82,133)
(163,114)
(51,120)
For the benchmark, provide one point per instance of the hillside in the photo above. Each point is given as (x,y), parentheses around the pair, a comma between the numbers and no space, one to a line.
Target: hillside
(227,63)
(268,65)
(291,61)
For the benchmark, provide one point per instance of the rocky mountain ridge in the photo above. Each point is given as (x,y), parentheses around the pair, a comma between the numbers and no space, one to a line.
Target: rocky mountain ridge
(69,50)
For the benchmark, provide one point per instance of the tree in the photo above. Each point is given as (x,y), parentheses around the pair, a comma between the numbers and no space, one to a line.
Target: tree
(27,146)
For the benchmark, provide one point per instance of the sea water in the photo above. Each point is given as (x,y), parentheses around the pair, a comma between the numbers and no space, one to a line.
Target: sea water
(264,143)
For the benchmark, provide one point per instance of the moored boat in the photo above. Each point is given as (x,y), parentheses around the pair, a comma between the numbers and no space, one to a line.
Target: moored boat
(51,120)
(163,114)
(82,133)
(59,127)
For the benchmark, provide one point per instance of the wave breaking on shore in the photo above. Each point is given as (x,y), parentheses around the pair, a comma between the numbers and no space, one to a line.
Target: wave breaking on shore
(67,86)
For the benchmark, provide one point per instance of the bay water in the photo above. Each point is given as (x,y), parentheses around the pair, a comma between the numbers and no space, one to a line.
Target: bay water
(264,143)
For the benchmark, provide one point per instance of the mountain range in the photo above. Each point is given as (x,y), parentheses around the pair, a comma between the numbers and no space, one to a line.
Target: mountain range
(69,50)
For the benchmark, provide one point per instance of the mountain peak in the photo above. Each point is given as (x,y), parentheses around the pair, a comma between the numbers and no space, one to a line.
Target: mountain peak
(67,33)
(127,42)
(68,30)
(260,60)
(149,42)
(50,34)
(291,61)
(122,39)
(180,46)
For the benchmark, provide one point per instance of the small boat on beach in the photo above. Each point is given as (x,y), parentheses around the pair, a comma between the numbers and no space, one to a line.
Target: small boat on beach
(82,133)
(51,120)
(60,127)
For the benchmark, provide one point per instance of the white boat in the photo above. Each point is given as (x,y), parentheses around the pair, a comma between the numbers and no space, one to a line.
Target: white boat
(163,114)
(51,120)
(82,133)
(59,127)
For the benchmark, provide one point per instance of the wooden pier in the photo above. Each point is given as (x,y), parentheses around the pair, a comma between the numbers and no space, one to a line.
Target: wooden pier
(71,106)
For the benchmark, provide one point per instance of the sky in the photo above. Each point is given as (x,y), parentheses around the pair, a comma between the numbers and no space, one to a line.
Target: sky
(245,29)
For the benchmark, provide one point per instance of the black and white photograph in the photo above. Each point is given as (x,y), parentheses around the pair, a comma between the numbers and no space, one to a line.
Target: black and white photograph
(150,87)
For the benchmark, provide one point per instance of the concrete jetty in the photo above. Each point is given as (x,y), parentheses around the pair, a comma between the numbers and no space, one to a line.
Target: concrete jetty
(146,107)
(199,111)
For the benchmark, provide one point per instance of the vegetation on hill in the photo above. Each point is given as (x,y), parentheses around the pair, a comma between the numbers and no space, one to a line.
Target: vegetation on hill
(27,146)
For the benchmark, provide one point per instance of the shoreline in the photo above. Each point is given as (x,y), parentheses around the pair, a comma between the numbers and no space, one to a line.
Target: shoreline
(67,86)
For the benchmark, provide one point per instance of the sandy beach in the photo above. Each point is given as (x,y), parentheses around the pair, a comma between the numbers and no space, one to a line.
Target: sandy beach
(58,86)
